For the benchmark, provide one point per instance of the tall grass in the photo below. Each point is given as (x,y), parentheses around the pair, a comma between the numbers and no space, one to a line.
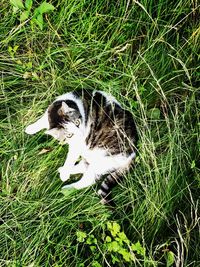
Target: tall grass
(146,54)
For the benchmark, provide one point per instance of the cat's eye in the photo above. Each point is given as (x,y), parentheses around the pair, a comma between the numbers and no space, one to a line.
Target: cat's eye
(77,122)
(69,135)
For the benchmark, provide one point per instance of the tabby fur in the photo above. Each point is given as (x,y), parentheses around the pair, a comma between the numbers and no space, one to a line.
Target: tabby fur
(101,135)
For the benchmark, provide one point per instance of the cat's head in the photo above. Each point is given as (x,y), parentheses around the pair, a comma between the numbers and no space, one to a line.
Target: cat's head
(64,117)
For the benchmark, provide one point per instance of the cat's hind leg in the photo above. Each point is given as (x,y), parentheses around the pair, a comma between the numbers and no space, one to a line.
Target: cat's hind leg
(40,124)
(88,179)
(65,172)
(80,167)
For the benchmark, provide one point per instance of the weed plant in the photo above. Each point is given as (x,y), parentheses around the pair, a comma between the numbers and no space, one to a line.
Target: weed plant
(145,53)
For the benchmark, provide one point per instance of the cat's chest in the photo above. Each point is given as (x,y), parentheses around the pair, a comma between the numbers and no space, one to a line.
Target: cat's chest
(91,155)
(78,144)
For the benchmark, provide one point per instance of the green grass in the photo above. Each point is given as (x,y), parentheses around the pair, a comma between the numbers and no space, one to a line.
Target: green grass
(146,54)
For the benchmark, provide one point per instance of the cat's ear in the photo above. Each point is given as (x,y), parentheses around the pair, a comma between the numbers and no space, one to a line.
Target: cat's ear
(53,132)
(64,109)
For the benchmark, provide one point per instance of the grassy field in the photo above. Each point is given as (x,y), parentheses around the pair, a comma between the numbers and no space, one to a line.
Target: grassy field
(146,54)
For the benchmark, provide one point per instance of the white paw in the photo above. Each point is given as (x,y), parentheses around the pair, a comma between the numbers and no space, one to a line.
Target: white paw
(30,129)
(64,174)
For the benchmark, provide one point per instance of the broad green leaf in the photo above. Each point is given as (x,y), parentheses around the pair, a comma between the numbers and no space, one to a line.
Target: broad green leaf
(96,264)
(109,225)
(93,248)
(114,228)
(45,8)
(142,89)
(122,236)
(40,22)
(91,240)
(19,62)
(125,254)
(15,9)
(15,48)
(114,259)
(108,239)
(134,104)
(10,49)
(28,4)
(113,246)
(193,164)
(170,258)
(17,3)
(36,12)
(137,247)
(154,113)
(29,65)
(24,15)
(81,236)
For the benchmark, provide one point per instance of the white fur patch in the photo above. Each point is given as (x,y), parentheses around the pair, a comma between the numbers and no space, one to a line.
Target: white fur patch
(102,164)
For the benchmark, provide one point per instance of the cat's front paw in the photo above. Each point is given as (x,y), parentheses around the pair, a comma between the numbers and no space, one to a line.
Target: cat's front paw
(30,129)
(64,174)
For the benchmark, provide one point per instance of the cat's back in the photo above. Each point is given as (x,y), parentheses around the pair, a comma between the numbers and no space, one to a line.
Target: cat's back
(111,126)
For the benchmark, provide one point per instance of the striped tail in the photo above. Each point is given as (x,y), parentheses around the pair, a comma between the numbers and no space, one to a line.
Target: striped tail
(106,186)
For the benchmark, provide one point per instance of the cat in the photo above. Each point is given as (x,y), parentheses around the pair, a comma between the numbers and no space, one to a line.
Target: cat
(101,136)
